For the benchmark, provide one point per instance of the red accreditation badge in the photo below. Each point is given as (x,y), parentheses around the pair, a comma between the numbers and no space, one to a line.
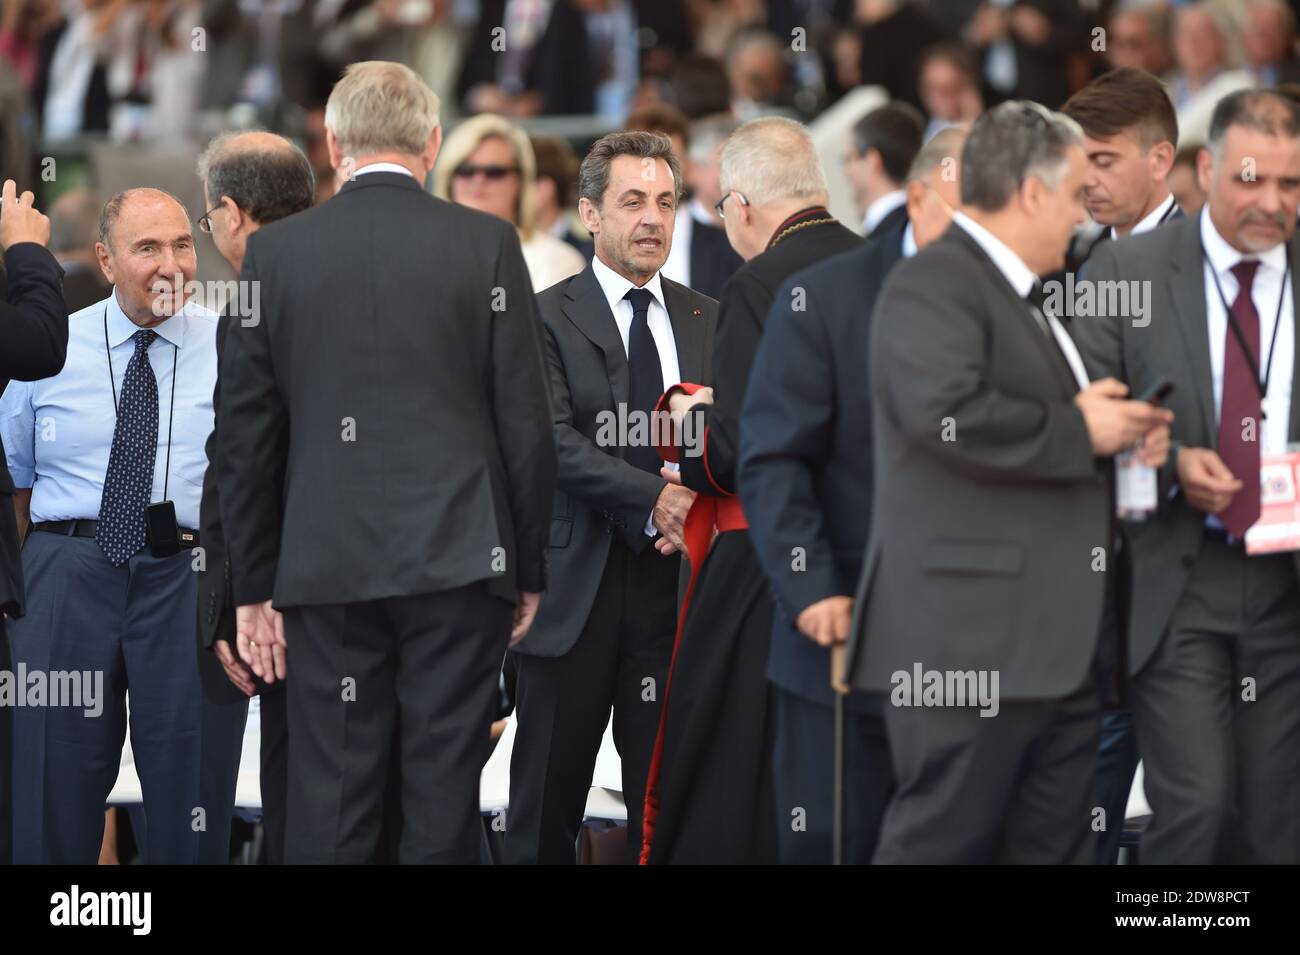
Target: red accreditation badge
(1278,527)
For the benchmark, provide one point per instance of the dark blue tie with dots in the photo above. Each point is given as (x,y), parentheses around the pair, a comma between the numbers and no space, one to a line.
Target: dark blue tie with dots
(645,375)
(128,485)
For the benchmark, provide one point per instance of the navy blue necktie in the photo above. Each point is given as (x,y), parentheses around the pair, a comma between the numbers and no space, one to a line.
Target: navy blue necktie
(128,484)
(645,377)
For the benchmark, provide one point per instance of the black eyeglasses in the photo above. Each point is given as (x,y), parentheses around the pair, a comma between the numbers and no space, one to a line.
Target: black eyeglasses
(717,206)
(205,220)
(491,173)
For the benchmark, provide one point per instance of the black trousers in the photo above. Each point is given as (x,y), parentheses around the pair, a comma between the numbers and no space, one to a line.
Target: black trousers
(1013,788)
(1217,711)
(620,660)
(274,770)
(422,667)
(804,770)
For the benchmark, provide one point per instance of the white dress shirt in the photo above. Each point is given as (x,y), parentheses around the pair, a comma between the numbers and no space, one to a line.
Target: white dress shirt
(383,167)
(1022,279)
(882,207)
(678,265)
(1264,291)
(615,288)
(1151,219)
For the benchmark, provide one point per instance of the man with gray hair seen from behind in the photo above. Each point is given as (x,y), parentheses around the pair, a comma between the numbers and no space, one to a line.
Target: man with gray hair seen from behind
(806,474)
(709,798)
(250,179)
(108,455)
(385,468)
(977,613)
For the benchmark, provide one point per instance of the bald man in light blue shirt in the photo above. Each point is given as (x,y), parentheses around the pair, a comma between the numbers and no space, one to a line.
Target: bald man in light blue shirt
(120,429)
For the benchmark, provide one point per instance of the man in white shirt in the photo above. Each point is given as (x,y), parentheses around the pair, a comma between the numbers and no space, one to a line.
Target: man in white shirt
(981,592)
(617,335)
(1214,663)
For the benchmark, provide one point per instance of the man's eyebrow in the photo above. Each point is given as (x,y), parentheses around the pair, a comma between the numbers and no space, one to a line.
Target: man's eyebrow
(148,240)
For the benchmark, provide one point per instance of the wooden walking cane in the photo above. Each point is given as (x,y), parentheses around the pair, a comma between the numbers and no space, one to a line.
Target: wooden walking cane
(839,656)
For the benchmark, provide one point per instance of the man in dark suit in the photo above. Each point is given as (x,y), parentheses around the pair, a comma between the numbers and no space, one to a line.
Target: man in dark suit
(1129,132)
(990,514)
(1213,660)
(883,144)
(806,479)
(33,344)
(384,467)
(249,180)
(710,796)
(617,334)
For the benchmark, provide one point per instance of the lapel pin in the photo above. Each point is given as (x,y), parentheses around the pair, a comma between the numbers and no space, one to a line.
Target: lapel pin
(697,313)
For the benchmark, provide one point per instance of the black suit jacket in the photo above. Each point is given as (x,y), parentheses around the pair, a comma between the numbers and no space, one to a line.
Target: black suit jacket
(384,427)
(558,67)
(742,313)
(989,503)
(599,493)
(806,470)
(891,228)
(33,345)
(713,260)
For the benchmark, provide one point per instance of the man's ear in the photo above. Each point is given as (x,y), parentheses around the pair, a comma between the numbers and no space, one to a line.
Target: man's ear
(429,157)
(237,218)
(332,144)
(589,215)
(1160,160)
(915,199)
(105,262)
(1204,170)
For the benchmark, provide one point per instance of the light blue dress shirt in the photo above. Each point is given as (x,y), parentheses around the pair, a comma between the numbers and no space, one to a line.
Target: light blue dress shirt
(58,432)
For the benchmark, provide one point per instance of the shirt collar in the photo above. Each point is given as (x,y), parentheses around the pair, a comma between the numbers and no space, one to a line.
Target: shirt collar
(1151,220)
(882,207)
(909,242)
(1012,267)
(121,328)
(616,286)
(1223,256)
(382,167)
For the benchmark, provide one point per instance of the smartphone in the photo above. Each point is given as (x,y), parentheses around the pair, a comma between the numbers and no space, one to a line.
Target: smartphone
(1158,392)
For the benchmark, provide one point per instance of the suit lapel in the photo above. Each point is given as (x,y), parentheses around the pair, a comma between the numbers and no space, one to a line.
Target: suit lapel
(1045,342)
(1187,288)
(688,330)
(1293,422)
(587,308)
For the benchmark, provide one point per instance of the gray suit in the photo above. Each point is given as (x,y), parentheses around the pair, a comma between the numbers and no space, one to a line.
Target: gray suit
(989,512)
(1202,616)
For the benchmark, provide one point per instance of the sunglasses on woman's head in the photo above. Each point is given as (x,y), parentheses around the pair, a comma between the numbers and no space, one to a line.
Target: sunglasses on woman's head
(493,173)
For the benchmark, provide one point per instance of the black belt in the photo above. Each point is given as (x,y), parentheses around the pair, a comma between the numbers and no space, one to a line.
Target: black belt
(188,537)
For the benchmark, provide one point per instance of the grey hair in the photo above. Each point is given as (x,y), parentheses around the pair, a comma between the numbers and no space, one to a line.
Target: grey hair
(1277,6)
(74,218)
(943,145)
(593,174)
(772,158)
(266,179)
(1261,110)
(380,107)
(113,208)
(1010,143)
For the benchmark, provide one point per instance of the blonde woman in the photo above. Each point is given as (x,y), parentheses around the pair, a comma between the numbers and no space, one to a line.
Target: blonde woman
(487,164)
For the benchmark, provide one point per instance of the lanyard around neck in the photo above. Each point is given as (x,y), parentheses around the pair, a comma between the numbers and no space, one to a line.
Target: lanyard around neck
(171,410)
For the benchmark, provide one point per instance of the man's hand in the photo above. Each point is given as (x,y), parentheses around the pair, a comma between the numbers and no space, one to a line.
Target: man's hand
(1153,450)
(827,621)
(1115,424)
(679,403)
(526,604)
(670,512)
(19,220)
(1206,480)
(259,635)
(236,672)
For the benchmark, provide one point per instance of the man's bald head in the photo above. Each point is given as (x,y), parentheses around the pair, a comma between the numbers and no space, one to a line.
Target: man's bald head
(265,175)
(146,249)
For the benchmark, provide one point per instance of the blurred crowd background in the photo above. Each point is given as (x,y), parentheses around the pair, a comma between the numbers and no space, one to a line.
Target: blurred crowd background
(103,94)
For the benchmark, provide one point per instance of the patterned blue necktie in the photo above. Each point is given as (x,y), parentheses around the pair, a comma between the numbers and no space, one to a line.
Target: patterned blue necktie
(128,485)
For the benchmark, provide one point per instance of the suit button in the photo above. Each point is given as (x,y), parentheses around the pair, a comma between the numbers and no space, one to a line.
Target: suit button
(1188,560)
(212,618)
